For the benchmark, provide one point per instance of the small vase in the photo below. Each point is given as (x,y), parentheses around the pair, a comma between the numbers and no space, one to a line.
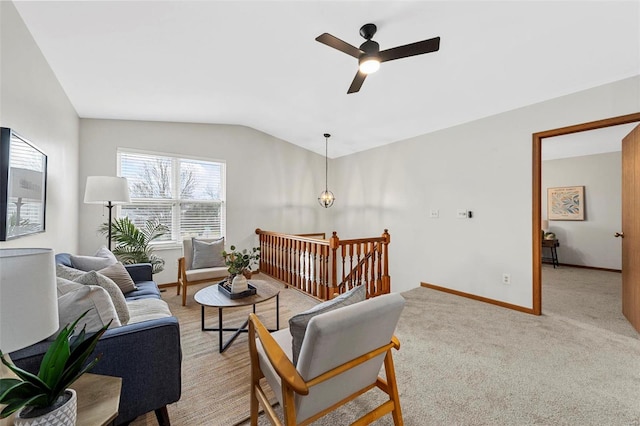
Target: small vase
(65,415)
(239,284)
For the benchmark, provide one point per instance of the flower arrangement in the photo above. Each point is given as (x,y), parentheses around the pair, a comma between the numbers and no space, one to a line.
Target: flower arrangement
(240,262)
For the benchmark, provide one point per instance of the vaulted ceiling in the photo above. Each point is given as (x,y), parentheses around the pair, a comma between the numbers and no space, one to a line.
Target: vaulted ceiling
(256,63)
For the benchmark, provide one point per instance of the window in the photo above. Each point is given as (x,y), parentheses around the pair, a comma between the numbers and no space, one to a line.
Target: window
(186,195)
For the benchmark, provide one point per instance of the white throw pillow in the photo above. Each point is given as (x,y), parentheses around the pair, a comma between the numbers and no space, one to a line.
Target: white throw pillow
(298,323)
(68,273)
(100,260)
(117,298)
(96,300)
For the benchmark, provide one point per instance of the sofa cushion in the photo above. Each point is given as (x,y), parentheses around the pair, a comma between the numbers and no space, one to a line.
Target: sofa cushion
(298,323)
(73,302)
(118,273)
(147,309)
(206,273)
(101,259)
(119,302)
(146,290)
(207,254)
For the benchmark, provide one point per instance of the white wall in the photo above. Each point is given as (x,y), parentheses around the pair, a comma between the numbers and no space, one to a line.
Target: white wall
(271,184)
(484,166)
(589,242)
(33,103)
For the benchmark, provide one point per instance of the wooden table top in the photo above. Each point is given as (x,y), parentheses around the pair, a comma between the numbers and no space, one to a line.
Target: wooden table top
(98,399)
(211,296)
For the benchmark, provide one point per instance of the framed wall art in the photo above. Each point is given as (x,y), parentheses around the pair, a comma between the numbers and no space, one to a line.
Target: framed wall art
(565,203)
(23,186)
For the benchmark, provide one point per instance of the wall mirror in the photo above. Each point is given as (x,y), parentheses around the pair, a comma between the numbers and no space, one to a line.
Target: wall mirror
(23,182)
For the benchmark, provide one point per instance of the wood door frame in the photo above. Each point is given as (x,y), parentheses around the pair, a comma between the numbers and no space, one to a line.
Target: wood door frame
(536,224)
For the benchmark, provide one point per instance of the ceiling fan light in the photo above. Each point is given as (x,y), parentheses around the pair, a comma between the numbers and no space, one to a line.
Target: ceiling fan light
(369,64)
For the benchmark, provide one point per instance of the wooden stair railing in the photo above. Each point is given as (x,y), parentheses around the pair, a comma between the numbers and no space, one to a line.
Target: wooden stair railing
(324,268)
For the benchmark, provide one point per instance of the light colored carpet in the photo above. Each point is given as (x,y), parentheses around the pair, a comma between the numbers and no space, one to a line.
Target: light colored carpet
(461,362)
(586,295)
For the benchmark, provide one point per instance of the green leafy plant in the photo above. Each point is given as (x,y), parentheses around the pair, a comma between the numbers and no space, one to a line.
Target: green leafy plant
(241,261)
(133,243)
(63,364)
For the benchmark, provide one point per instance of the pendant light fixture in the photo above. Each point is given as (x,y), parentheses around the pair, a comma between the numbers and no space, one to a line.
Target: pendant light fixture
(326,199)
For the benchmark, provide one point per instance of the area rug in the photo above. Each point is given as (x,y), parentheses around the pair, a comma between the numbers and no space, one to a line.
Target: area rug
(215,386)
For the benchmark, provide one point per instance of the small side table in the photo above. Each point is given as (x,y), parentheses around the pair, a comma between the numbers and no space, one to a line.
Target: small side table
(98,399)
(552,245)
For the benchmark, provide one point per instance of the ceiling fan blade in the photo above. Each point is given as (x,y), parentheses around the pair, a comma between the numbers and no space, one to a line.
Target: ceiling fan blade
(336,43)
(356,84)
(417,48)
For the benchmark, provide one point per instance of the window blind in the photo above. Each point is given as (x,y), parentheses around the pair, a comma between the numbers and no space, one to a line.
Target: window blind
(186,195)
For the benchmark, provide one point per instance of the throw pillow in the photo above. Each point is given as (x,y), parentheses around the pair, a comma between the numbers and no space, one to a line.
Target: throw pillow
(118,273)
(65,286)
(207,255)
(68,273)
(117,298)
(90,298)
(100,260)
(298,323)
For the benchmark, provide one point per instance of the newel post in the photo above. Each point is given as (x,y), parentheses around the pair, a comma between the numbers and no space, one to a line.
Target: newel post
(386,279)
(334,243)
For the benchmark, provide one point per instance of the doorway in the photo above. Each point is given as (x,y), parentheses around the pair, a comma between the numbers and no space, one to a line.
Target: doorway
(537,192)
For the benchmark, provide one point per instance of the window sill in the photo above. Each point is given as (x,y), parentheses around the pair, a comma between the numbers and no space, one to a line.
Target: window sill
(166,246)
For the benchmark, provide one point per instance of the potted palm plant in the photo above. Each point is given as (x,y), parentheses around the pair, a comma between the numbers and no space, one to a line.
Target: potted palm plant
(45,398)
(133,244)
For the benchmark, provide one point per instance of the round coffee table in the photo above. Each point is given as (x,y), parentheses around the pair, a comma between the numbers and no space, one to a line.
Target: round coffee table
(214,298)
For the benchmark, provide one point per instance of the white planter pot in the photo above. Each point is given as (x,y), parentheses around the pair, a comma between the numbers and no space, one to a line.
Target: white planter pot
(65,415)
(239,284)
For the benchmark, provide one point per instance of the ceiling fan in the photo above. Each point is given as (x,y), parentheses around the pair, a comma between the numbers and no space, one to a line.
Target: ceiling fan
(369,55)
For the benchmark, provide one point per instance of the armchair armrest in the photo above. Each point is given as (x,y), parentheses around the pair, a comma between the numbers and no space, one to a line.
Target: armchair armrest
(140,272)
(278,359)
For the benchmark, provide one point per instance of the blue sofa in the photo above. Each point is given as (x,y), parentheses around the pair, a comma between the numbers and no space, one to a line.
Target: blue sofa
(147,355)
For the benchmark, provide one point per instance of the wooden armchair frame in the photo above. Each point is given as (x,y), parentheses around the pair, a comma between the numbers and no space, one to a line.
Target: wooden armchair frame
(183,282)
(292,381)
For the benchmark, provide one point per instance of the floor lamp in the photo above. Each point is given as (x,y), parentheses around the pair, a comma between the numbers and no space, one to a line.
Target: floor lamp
(107,190)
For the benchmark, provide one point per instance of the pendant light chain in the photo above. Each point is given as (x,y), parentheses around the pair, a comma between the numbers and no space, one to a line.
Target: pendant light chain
(326,162)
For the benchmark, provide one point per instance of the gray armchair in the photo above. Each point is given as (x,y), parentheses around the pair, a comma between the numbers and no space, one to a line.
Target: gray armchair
(341,355)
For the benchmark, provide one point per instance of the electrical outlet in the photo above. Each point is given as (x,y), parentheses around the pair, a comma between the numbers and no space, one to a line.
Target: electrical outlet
(434,214)
(506,278)
(461,214)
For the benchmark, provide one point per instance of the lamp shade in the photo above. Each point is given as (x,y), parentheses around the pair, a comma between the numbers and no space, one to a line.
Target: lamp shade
(28,297)
(104,189)
(545,224)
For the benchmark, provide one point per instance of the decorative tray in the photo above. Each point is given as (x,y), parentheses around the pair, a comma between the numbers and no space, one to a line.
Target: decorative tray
(225,288)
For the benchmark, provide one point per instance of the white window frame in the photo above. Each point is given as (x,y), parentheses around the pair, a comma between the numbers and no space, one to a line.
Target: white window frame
(176,239)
